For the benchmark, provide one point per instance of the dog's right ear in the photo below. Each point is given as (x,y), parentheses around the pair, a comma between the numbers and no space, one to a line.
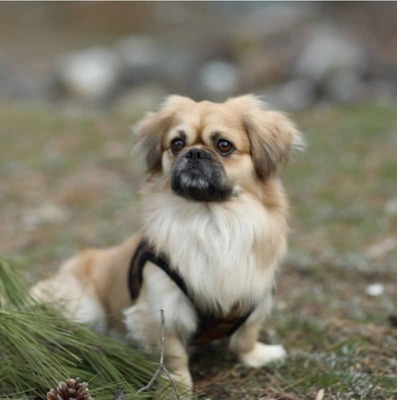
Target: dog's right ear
(150,130)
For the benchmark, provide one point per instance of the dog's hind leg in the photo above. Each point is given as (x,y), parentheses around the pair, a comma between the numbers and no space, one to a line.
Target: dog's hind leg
(74,299)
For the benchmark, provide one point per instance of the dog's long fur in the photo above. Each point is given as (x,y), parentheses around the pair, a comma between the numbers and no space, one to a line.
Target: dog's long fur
(226,249)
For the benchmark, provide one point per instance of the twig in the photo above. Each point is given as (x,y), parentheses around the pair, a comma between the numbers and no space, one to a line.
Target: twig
(161,366)
(119,395)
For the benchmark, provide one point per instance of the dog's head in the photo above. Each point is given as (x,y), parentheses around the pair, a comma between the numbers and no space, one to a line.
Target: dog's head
(213,151)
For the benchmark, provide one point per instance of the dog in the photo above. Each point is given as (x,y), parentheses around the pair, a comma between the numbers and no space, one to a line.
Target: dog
(213,231)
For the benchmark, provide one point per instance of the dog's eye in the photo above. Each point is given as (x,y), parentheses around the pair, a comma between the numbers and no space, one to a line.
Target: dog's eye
(225,147)
(177,145)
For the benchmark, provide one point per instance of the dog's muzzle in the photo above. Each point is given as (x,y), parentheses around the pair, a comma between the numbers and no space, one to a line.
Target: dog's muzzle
(199,175)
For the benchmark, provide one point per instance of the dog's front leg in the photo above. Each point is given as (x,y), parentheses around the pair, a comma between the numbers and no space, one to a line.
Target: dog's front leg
(249,350)
(177,360)
(144,330)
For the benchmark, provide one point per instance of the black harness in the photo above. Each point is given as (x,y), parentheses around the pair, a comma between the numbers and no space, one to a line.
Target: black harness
(210,327)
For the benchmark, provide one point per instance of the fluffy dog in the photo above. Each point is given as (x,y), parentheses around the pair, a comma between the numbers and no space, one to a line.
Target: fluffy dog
(213,230)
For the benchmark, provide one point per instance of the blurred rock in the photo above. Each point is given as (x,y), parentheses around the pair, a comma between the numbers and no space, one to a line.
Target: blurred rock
(382,89)
(19,84)
(141,58)
(328,52)
(391,206)
(146,60)
(179,68)
(296,54)
(295,95)
(218,79)
(270,24)
(141,99)
(344,87)
(268,40)
(375,289)
(90,75)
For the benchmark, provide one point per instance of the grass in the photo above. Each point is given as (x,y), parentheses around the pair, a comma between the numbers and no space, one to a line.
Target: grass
(69,181)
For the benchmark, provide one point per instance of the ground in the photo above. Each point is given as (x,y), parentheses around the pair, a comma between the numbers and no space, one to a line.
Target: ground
(69,180)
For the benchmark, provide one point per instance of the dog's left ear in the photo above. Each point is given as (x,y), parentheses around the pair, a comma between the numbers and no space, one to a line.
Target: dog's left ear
(150,130)
(272,134)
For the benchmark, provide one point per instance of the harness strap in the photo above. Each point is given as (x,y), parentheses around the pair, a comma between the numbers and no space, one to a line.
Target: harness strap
(144,253)
(210,327)
(213,328)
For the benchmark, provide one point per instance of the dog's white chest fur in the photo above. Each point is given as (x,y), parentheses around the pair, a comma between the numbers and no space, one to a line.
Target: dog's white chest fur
(226,252)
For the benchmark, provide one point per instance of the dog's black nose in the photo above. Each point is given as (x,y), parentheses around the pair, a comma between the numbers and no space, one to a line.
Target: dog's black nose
(196,154)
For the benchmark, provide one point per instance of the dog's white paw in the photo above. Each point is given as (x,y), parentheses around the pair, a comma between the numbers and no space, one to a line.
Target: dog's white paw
(262,354)
(183,378)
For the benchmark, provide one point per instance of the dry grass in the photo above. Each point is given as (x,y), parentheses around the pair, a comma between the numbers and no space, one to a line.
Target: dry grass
(70,181)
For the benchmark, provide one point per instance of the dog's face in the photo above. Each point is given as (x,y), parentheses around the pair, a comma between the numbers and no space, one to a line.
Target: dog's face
(211,151)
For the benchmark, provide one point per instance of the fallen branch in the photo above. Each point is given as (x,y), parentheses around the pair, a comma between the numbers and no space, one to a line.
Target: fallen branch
(161,366)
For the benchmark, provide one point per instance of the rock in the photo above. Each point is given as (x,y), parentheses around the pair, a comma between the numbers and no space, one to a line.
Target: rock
(344,87)
(179,68)
(269,21)
(141,58)
(268,40)
(144,60)
(375,289)
(384,90)
(23,83)
(328,52)
(295,95)
(218,79)
(391,206)
(90,75)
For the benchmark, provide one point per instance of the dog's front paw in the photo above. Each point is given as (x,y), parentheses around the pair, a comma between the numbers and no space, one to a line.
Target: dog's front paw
(262,354)
(183,379)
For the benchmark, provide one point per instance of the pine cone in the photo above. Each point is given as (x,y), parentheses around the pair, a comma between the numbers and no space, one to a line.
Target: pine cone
(71,389)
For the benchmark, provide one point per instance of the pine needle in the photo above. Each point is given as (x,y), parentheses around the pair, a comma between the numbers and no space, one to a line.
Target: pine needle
(39,348)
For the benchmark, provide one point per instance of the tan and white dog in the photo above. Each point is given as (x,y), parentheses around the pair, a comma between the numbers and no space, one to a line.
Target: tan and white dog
(214,211)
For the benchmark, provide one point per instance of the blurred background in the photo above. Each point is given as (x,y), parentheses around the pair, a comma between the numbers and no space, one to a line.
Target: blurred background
(112,54)
(75,75)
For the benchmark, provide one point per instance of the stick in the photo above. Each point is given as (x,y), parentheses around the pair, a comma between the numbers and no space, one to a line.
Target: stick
(161,366)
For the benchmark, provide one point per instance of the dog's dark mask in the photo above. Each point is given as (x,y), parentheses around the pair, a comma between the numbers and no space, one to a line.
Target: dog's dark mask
(199,176)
